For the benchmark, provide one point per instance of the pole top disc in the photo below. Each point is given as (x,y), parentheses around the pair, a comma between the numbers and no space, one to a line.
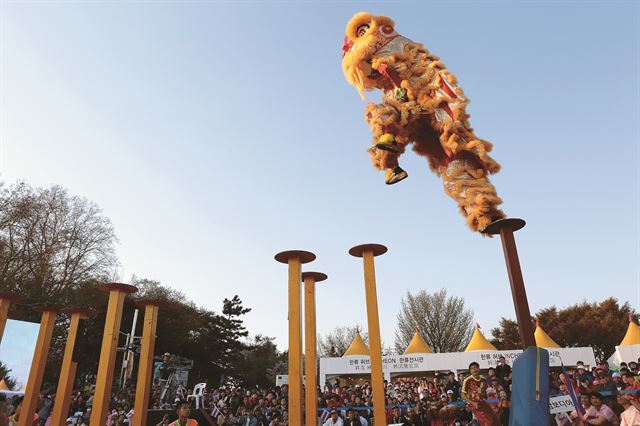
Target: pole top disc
(124,288)
(358,251)
(512,223)
(315,276)
(303,256)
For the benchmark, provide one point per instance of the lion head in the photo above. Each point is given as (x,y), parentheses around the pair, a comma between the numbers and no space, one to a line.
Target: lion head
(365,35)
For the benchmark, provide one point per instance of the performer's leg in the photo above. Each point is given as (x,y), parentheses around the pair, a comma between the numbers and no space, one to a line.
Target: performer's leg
(466,182)
(385,150)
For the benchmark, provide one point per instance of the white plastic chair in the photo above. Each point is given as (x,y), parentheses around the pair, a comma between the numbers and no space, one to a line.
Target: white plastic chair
(198,391)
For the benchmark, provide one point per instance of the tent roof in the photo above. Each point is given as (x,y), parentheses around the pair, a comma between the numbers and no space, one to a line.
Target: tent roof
(543,340)
(357,346)
(3,385)
(417,345)
(633,335)
(479,343)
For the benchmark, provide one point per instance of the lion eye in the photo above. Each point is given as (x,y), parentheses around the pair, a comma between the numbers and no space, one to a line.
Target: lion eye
(362,29)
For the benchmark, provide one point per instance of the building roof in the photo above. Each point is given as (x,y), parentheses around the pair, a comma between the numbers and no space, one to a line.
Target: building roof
(633,334)
(543,340)
(357,346)
(417,345)
(479,343)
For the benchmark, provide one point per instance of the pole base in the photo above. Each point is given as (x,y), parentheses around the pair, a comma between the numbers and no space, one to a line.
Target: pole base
(512,223)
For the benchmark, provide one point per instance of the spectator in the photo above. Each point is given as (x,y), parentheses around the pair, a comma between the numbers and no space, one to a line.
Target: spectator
(605,384)
(334,419)
(245,418)
(261,419)
(604,414)
(4,415)
(453,385)
(353,419)
(164,421)
(503,370)
(183,410)
(226,417)
(474,391)
(397,417)
(630,416)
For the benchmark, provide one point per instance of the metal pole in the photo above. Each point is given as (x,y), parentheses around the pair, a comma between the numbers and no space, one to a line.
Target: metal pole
(295,259)
(129,356)
(367,252)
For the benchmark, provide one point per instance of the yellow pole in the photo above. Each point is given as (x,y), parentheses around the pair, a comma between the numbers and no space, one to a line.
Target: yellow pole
(5,303)
(311,383)
(34,383)
(367,252)
(67,370)
(106,365)
(295,258)
(145,367)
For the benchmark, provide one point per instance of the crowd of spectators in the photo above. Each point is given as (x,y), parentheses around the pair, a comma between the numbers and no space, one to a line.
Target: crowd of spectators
(607,397)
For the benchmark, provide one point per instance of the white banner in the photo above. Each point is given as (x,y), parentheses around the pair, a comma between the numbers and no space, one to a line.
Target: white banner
(561,404)
(398,364)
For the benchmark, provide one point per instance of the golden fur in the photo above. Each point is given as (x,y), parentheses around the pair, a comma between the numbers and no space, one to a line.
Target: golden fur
(432,117)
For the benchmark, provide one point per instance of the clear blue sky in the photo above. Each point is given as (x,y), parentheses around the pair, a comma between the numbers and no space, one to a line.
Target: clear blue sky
(217,134)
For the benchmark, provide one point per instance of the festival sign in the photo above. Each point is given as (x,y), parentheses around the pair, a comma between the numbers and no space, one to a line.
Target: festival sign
(414,363)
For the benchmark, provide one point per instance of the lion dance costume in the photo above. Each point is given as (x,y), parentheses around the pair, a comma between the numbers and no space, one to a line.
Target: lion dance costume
(423,105)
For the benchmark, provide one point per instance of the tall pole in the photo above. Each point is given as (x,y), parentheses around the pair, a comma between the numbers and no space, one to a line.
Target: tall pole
(6,299)
(34,383)
(311,383)
(107,363)
(368,252)
(68,369)
(295,258)
(506,228)
(145,366)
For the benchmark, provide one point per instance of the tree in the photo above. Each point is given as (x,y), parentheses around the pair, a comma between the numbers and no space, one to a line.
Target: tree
(506,335)
(260,362)
(51,243)
(336,342)
(4,375)
(601,325)
(444,322)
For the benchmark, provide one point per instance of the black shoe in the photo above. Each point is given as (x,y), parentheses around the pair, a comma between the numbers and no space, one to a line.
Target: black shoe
(395,176)
(391,147)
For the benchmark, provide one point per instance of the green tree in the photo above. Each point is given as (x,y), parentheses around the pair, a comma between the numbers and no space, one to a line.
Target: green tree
(445,322)
(601,325)
(506,335)
(259,363)
(4,375)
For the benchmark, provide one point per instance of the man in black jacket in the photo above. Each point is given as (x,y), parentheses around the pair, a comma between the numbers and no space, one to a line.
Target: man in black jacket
(396,417)
(502,370)
(353,419)
(453,385)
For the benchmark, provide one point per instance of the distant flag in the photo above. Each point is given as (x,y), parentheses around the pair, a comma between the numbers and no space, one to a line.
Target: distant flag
(216,412)
(478,326)
(572,392)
